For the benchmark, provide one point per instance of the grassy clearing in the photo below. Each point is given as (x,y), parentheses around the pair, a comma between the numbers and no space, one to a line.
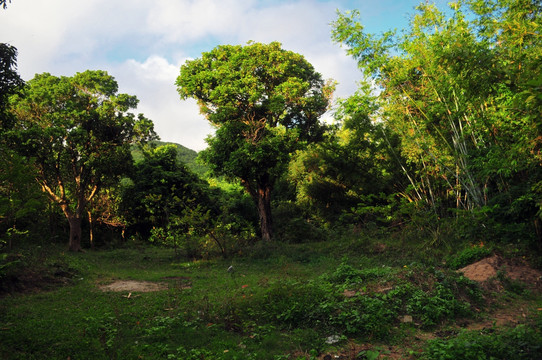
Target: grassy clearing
(287,302)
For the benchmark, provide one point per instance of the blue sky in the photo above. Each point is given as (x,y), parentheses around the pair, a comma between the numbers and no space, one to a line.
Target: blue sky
(143,43)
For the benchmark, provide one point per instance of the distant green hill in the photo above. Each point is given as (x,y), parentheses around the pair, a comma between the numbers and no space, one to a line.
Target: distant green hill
(184,154)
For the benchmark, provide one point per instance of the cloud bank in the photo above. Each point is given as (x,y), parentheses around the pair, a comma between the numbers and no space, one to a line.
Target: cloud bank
(143,44)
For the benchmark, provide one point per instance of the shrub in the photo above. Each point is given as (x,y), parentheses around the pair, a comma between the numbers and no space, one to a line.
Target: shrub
(467,256)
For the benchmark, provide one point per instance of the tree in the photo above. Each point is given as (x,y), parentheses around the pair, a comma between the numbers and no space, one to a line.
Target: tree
(10,81)
(461,93)
(18,197)
(353,168)
(79,132)
(167,201)
(265,103)
(160,188)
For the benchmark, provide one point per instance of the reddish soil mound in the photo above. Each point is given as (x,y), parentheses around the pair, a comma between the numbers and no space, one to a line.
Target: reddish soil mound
(518,270)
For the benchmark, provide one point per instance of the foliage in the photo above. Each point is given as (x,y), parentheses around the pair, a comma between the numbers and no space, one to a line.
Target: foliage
(450,88)
(160,187)
(351,170)
(468,256)
(265,103)
(295,225)
(185,155)
(78,131)
(4,4)
(10,81)
(20,197)
(522,342)
(171,205)
(161,192)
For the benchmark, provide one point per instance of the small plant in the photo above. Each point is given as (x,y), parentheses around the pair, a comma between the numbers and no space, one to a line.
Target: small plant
(521,342)
(346,273)
(468,256)
(510,285)
(6,263)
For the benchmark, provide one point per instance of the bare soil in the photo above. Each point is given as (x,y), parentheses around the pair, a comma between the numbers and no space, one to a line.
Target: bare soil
(486,270)
(134,286)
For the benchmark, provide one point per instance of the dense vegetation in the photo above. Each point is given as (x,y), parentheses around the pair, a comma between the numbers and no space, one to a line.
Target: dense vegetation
(335,236)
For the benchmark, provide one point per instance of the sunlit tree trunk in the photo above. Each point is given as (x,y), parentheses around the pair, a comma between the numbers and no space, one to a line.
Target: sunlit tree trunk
(74,220)
(91,229)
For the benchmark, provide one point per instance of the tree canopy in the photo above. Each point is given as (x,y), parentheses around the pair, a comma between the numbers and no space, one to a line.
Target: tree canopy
(78,131)
(462,92)
(265,103)
(10,80)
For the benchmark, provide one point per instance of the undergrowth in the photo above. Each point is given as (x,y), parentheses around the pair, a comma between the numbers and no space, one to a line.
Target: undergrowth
(521,342)
(290,303)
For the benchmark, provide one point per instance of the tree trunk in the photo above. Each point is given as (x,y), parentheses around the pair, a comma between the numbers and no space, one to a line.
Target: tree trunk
(262,199)
(74,219)
(75,233)
(264,212)
(91,229)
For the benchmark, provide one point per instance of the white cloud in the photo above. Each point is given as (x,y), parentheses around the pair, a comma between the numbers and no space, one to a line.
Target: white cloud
(304,27)
(143,45)
(153,82)
(190,20)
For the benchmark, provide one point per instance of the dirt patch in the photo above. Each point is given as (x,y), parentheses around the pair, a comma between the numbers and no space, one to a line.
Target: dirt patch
(487,269)
(134,286)
(482,270)
(512,315)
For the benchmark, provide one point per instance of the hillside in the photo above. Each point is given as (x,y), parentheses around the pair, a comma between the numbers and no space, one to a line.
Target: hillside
(184,154)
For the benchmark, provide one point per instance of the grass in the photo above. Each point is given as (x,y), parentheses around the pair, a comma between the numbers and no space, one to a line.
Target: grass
(280,302)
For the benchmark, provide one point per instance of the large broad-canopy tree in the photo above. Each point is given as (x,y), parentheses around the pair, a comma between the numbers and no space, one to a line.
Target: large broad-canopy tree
(462,90)
(78,130)
(265,103)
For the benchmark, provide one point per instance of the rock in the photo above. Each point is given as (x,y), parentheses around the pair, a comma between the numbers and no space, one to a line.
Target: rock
(333,339)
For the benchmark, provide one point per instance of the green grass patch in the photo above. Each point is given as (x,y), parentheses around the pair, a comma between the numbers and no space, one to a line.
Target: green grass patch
(278,306)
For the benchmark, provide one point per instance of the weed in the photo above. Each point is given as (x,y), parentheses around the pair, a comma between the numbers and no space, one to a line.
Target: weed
(510,285)
(521,342)
(468,256)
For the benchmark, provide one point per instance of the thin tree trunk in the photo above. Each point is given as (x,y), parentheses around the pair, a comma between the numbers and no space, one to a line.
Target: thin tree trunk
(91,229)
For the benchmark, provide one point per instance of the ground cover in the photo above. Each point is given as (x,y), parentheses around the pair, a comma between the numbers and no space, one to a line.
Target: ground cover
(288,302)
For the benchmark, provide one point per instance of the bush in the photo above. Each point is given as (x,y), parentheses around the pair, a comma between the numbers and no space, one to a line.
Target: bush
(467,256)
(290,304)
(292,227)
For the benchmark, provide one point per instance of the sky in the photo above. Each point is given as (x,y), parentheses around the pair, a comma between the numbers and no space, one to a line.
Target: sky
(144,43)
